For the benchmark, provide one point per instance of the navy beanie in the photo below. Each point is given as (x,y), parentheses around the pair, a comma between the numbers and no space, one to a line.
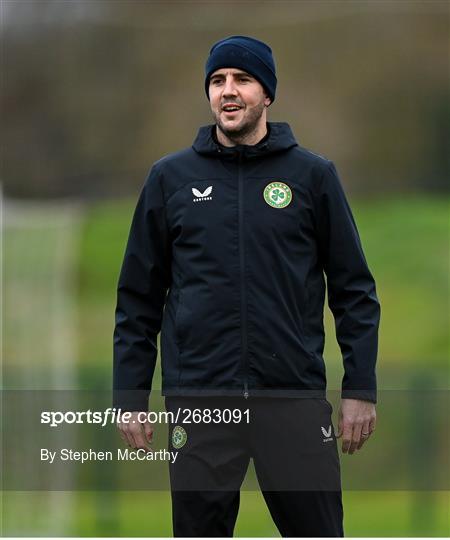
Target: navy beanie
(249,54)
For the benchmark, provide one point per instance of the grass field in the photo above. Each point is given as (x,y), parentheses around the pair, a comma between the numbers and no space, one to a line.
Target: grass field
(366,513)
(406,243)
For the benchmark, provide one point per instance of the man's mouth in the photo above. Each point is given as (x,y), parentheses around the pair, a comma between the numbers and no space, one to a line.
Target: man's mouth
(231,108)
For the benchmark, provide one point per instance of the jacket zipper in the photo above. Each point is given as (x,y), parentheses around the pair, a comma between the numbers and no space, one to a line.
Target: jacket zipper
(242,264)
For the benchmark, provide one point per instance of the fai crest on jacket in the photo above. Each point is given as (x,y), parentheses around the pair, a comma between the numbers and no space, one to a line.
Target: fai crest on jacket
(277,194)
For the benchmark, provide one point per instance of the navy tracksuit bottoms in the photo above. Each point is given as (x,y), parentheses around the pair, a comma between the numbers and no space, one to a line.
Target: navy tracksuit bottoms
(294,450)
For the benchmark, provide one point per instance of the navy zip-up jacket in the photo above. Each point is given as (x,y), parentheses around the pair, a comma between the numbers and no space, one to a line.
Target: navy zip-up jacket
(227,257)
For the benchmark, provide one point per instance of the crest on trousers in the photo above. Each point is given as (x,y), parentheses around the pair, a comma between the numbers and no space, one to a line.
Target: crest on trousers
(179,437)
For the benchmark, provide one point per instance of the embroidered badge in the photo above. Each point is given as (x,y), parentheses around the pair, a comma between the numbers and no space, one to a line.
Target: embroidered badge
(179,437)
(277,194)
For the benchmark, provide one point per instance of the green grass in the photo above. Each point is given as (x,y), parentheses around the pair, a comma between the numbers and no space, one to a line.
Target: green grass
(144,513)
(407,246)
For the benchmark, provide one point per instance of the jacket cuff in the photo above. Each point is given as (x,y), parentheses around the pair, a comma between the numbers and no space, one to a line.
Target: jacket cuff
(131,400)
(364,395)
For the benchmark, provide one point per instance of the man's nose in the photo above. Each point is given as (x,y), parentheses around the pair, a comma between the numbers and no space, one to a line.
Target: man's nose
(229,87)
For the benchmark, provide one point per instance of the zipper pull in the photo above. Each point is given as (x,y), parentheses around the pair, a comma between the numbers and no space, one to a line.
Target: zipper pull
(246,390)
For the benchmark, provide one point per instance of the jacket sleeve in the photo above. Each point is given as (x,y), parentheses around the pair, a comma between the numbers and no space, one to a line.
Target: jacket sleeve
(351,289)
(143,282)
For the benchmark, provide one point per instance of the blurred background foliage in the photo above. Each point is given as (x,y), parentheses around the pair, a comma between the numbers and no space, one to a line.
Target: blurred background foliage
(93,92)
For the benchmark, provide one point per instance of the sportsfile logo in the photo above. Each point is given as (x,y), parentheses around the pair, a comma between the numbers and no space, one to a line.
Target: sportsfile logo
(202,196)
(326,433)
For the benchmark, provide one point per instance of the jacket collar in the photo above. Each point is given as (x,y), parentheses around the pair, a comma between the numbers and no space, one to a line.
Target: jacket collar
(279,138)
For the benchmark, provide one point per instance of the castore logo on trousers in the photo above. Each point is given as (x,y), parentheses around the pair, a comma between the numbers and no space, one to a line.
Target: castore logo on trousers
(327,434)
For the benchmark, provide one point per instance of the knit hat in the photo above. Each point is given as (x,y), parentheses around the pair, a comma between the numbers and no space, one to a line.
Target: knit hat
(247,53)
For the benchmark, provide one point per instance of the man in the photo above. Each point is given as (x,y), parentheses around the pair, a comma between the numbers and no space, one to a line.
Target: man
(238,232)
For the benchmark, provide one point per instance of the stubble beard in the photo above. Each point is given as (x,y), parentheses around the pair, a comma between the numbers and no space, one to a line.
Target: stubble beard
(248,125)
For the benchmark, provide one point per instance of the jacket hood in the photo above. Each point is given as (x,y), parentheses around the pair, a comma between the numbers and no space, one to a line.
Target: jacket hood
(279,138)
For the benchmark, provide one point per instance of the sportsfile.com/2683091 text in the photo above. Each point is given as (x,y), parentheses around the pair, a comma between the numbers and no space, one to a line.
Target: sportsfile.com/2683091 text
(113,415)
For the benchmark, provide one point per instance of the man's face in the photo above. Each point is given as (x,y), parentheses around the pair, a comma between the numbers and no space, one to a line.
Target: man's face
(238,101)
